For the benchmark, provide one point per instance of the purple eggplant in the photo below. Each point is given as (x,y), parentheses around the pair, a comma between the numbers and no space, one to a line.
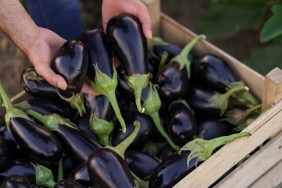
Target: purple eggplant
(15,181)
(71,62)
(74,141)
(81,175)
(41,144)
(129,45)
(101,72)
(174,77)
(180,122)
(67,183)
(107,167)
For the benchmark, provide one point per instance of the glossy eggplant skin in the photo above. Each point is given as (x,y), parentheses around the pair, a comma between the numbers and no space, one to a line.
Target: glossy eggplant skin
(81,175)
(213,128)
(67,183)
(15,181)
(141,164)
(144,134)
(108,170)
(47,107)
(71,62)
(21,168)
(99,53)
(36,86)
(173,81)
(213,73)
(172,170)
(128,42)
(198,98)
(8,150)
(180,122)
(165,152)
(75,143)
(41,144)
(100,105)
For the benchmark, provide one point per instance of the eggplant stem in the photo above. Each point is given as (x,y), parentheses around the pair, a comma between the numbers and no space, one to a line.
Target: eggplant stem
(121,148)
(60,170)
(157,121)
(138,82)
(5,98)
(182,58)
(101,128)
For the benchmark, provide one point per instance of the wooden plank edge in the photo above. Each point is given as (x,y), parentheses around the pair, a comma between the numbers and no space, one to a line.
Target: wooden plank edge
(174,32)
(272,92)
(256,166)
(272,178)
(18,96)
(229,155)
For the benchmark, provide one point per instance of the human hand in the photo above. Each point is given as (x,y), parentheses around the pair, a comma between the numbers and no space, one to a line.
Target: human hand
(41,53)
(112,8)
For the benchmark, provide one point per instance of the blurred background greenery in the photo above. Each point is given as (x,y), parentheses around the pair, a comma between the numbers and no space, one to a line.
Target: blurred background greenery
(250,30)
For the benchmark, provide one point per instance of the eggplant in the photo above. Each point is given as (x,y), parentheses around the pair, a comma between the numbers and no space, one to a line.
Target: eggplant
(41,144)
(144,134)
(209,102)
(74,141)
(213,128)
(8,150)
(67,183)
(173,78)
(165,152)
(46,107)
(181,163)
(15,181)
(37,86)
(172,170)
(213,73)
(33,173)
(141,164)
(129,45)
(71,62)
(101,72)
(81,175)
(107,167)
(180,122)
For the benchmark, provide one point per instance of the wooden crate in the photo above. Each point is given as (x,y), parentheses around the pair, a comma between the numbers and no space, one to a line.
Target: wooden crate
(262,167)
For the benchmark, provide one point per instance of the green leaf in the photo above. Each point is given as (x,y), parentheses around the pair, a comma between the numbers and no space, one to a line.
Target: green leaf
(264,59)
(273,27)
(227,17)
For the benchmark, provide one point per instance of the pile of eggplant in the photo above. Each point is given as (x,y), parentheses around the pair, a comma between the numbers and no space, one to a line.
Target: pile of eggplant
(161,111)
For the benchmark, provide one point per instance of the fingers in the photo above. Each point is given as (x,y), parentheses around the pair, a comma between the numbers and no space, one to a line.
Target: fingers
(88,89)
(142,13)
(49,75)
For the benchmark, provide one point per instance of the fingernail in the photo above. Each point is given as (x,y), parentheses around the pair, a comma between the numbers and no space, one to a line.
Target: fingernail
(62,85)
(149,34)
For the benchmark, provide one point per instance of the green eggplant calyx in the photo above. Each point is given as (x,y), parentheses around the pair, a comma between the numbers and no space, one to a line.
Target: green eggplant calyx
(106,86)
(237,116)
(246,96)
(221,101)
(152,102)
(163,59)
(182,58)
(76,102)
(44,176)
(121,148)
(101,128)
(203,149)
(11,112)
(244,125)
(138,82)
(51,121)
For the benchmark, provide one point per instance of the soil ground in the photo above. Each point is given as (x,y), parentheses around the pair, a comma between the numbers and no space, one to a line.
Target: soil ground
(13,61)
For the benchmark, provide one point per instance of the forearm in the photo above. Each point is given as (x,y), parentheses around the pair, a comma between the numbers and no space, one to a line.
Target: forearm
(16,23)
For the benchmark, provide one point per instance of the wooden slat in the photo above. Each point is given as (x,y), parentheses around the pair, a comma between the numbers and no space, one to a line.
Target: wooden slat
(173,32)
(223,160)
(272,178)
(256,166)
(272,88)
